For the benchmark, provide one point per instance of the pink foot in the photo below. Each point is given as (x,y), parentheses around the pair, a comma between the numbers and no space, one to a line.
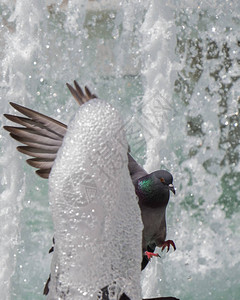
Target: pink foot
(150,254)
(167,244)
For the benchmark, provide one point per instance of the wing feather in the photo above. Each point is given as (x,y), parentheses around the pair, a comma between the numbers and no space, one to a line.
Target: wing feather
(136,171)
(35,126)
(42,135)
(34,144)
(40,163)
(36,152)
(44,173)
(33,135)
(79,95)
(50,123)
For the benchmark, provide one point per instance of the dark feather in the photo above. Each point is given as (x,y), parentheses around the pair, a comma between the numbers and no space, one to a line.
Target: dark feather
(44,173)
(34,144)
(40,163)
(51,124)
(36,152)
(75,94)
(46,288)
(79,91)
(36,126)
(42,134)
(33,135)
(78,94)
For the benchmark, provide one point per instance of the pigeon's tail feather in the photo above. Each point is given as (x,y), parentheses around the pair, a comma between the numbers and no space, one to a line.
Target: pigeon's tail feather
(79,95)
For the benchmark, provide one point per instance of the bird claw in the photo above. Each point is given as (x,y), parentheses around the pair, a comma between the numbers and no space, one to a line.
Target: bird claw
(151,254)
(167,244)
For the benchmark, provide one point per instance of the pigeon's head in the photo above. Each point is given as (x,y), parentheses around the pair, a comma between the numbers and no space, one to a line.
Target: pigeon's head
(166,180)
(153,189)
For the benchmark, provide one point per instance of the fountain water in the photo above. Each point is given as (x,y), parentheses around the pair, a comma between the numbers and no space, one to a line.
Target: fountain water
(184,58)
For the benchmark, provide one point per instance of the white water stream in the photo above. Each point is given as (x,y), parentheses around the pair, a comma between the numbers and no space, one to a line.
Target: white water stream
(173,71)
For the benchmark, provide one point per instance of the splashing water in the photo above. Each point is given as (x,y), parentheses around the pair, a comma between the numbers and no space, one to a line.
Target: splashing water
(200,124)
(96,217)
(184,59)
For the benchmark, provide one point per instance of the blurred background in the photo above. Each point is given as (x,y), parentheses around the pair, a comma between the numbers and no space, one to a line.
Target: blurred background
(172,70)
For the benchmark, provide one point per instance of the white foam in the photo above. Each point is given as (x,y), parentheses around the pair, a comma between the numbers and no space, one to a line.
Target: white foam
(95,212)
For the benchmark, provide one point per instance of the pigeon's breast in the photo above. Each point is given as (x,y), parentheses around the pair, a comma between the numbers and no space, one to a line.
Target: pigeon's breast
(154,224)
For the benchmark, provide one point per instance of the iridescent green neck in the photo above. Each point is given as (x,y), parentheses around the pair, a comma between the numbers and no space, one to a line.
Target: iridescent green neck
(145,185)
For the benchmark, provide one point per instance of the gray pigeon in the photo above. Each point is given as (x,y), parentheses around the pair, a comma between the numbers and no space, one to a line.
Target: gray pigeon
(153,194)
(43,136)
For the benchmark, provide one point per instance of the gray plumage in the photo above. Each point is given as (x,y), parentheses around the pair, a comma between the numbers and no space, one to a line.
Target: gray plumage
(153,194)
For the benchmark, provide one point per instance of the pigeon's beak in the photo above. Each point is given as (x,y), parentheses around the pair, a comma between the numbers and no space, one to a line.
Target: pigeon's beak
(171,188)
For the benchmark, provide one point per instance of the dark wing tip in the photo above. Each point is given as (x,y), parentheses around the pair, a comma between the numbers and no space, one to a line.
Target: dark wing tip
(78,93)
(78,88)
(75,94)
(9,128)
(89,93)
(6,115)
(44,173)
(15,105)
(41,163)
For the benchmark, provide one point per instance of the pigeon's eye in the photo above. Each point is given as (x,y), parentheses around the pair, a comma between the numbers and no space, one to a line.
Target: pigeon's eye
(162,180)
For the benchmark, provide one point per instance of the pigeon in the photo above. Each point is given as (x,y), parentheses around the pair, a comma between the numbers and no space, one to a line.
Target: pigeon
(42,137)
(153,193)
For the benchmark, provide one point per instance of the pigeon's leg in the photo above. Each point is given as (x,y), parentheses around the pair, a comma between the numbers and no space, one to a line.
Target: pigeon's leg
(167,244)
(151,254)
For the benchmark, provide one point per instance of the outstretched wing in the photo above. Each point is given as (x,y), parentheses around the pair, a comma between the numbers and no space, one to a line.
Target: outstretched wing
(136,171)
(42,135)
